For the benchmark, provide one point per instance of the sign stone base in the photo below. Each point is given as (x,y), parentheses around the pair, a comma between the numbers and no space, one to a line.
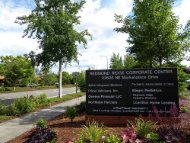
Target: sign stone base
(123,120)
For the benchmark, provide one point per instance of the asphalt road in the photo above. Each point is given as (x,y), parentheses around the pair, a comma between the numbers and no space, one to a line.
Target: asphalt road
(8,98)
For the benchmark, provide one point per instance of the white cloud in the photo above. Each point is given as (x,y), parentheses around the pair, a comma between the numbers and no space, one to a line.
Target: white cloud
(8,15)
(12,43)
(98,19)
(100,23)
(182,10)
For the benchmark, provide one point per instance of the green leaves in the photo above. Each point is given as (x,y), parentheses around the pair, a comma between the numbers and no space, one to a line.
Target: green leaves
(153,32)
(17,68)
(116,62)
(71,113)
(52,23)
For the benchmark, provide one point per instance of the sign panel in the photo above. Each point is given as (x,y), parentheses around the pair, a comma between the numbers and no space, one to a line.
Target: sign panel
(132,92)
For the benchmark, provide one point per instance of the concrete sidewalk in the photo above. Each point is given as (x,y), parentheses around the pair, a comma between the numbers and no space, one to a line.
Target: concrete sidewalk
(15,127)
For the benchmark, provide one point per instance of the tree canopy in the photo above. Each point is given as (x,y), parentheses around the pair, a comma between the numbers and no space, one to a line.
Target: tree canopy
(53,23)
(67,78)
(116,62)
(155,37)
(17,69)
(128,62)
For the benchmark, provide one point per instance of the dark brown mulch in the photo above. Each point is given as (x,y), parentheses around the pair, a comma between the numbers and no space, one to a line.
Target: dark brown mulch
(66,130)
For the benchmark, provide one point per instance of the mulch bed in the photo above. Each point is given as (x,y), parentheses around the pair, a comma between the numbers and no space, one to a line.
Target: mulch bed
(66,130)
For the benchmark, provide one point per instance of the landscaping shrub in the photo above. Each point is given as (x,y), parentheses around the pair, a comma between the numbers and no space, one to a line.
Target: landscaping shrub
(41,135)
(143,127)
(173,135)
(30,103)
(8,110)
(6,89)
(2,109)
(113,139)
(182,84)
(42,98)
(12,110)
(183,108)
(138,132)
(41,123)
(152,137)
(24,105)
(130,135)
(91,133)
(82,107)
(71,113)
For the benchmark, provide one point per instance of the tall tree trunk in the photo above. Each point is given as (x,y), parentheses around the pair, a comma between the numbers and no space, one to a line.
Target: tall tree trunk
(150,63)
(14,86)
(76,85)
(160,61)
(60,78)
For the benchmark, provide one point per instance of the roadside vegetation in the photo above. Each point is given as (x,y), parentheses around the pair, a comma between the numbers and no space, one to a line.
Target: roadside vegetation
(31,103)
(25,76)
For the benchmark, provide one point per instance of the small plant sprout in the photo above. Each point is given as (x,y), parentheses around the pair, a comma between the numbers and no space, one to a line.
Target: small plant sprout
(71,113)
(41,123)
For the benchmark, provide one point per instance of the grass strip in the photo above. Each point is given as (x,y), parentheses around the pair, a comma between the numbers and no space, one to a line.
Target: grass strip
(49,102)
(66,97)
(4,117)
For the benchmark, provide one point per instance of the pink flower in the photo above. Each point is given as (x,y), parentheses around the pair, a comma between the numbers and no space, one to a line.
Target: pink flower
(138,141)
(69,142)
(125,138)
(133,136)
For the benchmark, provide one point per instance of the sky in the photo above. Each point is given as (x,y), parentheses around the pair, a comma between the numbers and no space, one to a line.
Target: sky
(97,16)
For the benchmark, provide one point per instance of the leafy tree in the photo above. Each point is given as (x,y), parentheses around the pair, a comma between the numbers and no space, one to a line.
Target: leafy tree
(49,79)
(27,81)
(1,69)
(66,77)
(182,85)
(53,23)
(116,62)
(32,57)
(82,82)
(182,77)
(17,68)
(154,34)
(130,62)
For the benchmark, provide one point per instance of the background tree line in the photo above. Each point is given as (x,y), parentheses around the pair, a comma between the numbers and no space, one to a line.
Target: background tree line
(19,71)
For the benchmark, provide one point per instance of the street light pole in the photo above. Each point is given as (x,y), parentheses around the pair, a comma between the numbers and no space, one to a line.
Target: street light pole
(106,61)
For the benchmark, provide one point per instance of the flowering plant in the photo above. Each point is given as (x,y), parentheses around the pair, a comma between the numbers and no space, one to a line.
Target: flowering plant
(129,135)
